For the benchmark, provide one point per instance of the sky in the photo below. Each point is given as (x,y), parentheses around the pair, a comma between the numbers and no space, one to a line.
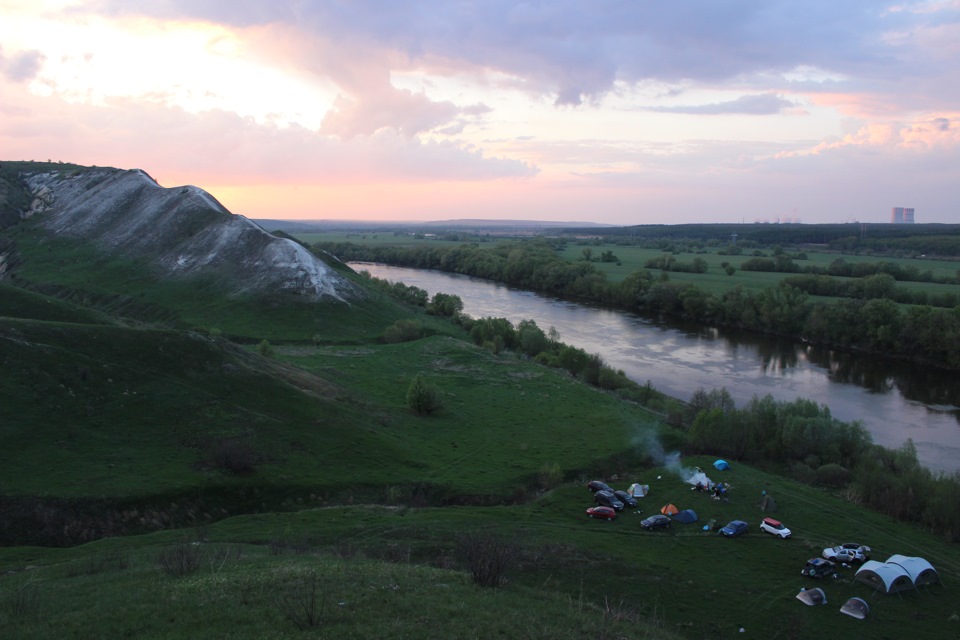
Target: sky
(609,111)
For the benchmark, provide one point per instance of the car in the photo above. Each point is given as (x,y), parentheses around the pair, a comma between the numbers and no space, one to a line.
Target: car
(596,485)
(608,513)
(774,527)
(657,521)
(734,529)
(847,552)
(818,568)
(626,498)
(607,499)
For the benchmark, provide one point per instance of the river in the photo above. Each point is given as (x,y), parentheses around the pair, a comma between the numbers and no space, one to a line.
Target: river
(894,400)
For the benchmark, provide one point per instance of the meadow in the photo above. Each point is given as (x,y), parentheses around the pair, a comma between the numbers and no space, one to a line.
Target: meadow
(165,474)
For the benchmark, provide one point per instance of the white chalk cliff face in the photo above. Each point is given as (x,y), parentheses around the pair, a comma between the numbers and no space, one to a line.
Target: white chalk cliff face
(180,231)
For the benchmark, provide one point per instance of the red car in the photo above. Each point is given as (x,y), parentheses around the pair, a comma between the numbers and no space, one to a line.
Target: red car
(602,512)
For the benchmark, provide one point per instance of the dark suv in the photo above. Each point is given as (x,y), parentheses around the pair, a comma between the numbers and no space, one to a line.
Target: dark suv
(607,499)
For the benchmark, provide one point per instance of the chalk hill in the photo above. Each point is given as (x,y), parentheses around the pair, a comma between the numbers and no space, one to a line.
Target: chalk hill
(176,232)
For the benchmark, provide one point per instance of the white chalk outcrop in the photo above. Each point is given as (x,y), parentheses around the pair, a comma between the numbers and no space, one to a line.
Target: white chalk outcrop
(180,231)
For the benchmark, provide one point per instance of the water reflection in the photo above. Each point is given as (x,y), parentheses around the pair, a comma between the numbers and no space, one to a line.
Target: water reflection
(894,400)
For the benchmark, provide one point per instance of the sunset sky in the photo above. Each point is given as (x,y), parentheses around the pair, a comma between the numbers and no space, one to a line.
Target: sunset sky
(619,112)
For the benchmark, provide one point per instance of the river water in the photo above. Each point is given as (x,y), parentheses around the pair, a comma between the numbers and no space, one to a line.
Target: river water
(895,401)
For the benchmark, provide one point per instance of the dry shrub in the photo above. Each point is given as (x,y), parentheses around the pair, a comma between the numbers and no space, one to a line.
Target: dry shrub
(181,559)
(303,601)
(488,555)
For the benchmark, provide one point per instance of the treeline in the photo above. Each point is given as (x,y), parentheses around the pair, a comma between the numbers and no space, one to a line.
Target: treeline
(904,239)
(803,440)
(843,269)
(875,325)
(872,287)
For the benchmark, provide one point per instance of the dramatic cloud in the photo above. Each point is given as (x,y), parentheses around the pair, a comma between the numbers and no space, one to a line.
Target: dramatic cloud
(613,111)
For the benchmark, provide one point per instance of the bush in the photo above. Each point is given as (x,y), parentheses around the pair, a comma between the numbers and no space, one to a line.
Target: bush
(403,331)
(265,349)
(303,601)
(421,397)
(833,475)
(181,559)
(487,555)
(549,476)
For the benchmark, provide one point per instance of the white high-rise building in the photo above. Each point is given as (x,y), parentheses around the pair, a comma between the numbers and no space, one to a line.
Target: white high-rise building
(902,215)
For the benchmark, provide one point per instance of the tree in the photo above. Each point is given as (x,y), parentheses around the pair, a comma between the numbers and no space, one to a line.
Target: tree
(421,397)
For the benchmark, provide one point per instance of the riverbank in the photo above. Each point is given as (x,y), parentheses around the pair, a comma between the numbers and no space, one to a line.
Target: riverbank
(895,401)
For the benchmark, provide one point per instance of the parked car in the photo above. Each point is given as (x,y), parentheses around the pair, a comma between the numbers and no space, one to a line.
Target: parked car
(848,552)
(596,485)
(608,499)
(774,527)
(657,521)
(818,568)
(734,529)
(626,498)
(608,513)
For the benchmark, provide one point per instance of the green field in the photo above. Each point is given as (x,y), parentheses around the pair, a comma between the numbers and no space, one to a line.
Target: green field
(165,473)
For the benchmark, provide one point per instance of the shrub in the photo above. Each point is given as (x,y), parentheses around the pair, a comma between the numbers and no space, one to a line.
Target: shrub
(549,476)
(23,604)
(403,331)
(265,349)
(181,559)
(421,397)
(833,475)
(303,601)
(487,555)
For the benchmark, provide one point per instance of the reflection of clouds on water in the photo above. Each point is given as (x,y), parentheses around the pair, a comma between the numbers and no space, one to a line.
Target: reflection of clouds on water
(892,399)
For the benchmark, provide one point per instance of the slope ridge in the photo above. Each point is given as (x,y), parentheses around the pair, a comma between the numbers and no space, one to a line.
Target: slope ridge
(179,232)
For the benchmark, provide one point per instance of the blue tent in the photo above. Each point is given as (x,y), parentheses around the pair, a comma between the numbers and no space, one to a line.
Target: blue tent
(686,516)
(721,465)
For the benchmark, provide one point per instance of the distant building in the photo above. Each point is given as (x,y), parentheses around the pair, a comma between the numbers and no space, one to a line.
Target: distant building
(902,215)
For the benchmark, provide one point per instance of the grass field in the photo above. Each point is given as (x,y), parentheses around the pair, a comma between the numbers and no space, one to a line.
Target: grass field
(396,572)
(118,403)
(632,258)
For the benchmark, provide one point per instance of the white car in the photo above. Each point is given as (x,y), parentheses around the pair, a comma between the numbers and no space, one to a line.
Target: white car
(775,527)
(848,552)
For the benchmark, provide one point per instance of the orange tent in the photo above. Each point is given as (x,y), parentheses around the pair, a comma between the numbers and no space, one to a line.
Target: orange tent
(669,510)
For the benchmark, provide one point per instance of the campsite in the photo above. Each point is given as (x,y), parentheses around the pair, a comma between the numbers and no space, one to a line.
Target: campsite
(871,593)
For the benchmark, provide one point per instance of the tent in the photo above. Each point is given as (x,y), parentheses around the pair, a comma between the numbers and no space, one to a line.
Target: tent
(767,503)
(639,490)
(700,478)
(919,570)
(686,516)
(883,576)
(856,607)
(812,597)
(669,510)
(721,465)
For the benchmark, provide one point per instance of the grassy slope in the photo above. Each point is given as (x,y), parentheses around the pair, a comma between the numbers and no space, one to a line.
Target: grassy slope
(98,410)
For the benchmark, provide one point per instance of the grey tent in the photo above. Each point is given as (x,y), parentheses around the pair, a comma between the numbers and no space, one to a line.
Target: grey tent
(767,503)
(811,597)
(639,490)
(686,516)
(885,577)
(919,570)
(856,608)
